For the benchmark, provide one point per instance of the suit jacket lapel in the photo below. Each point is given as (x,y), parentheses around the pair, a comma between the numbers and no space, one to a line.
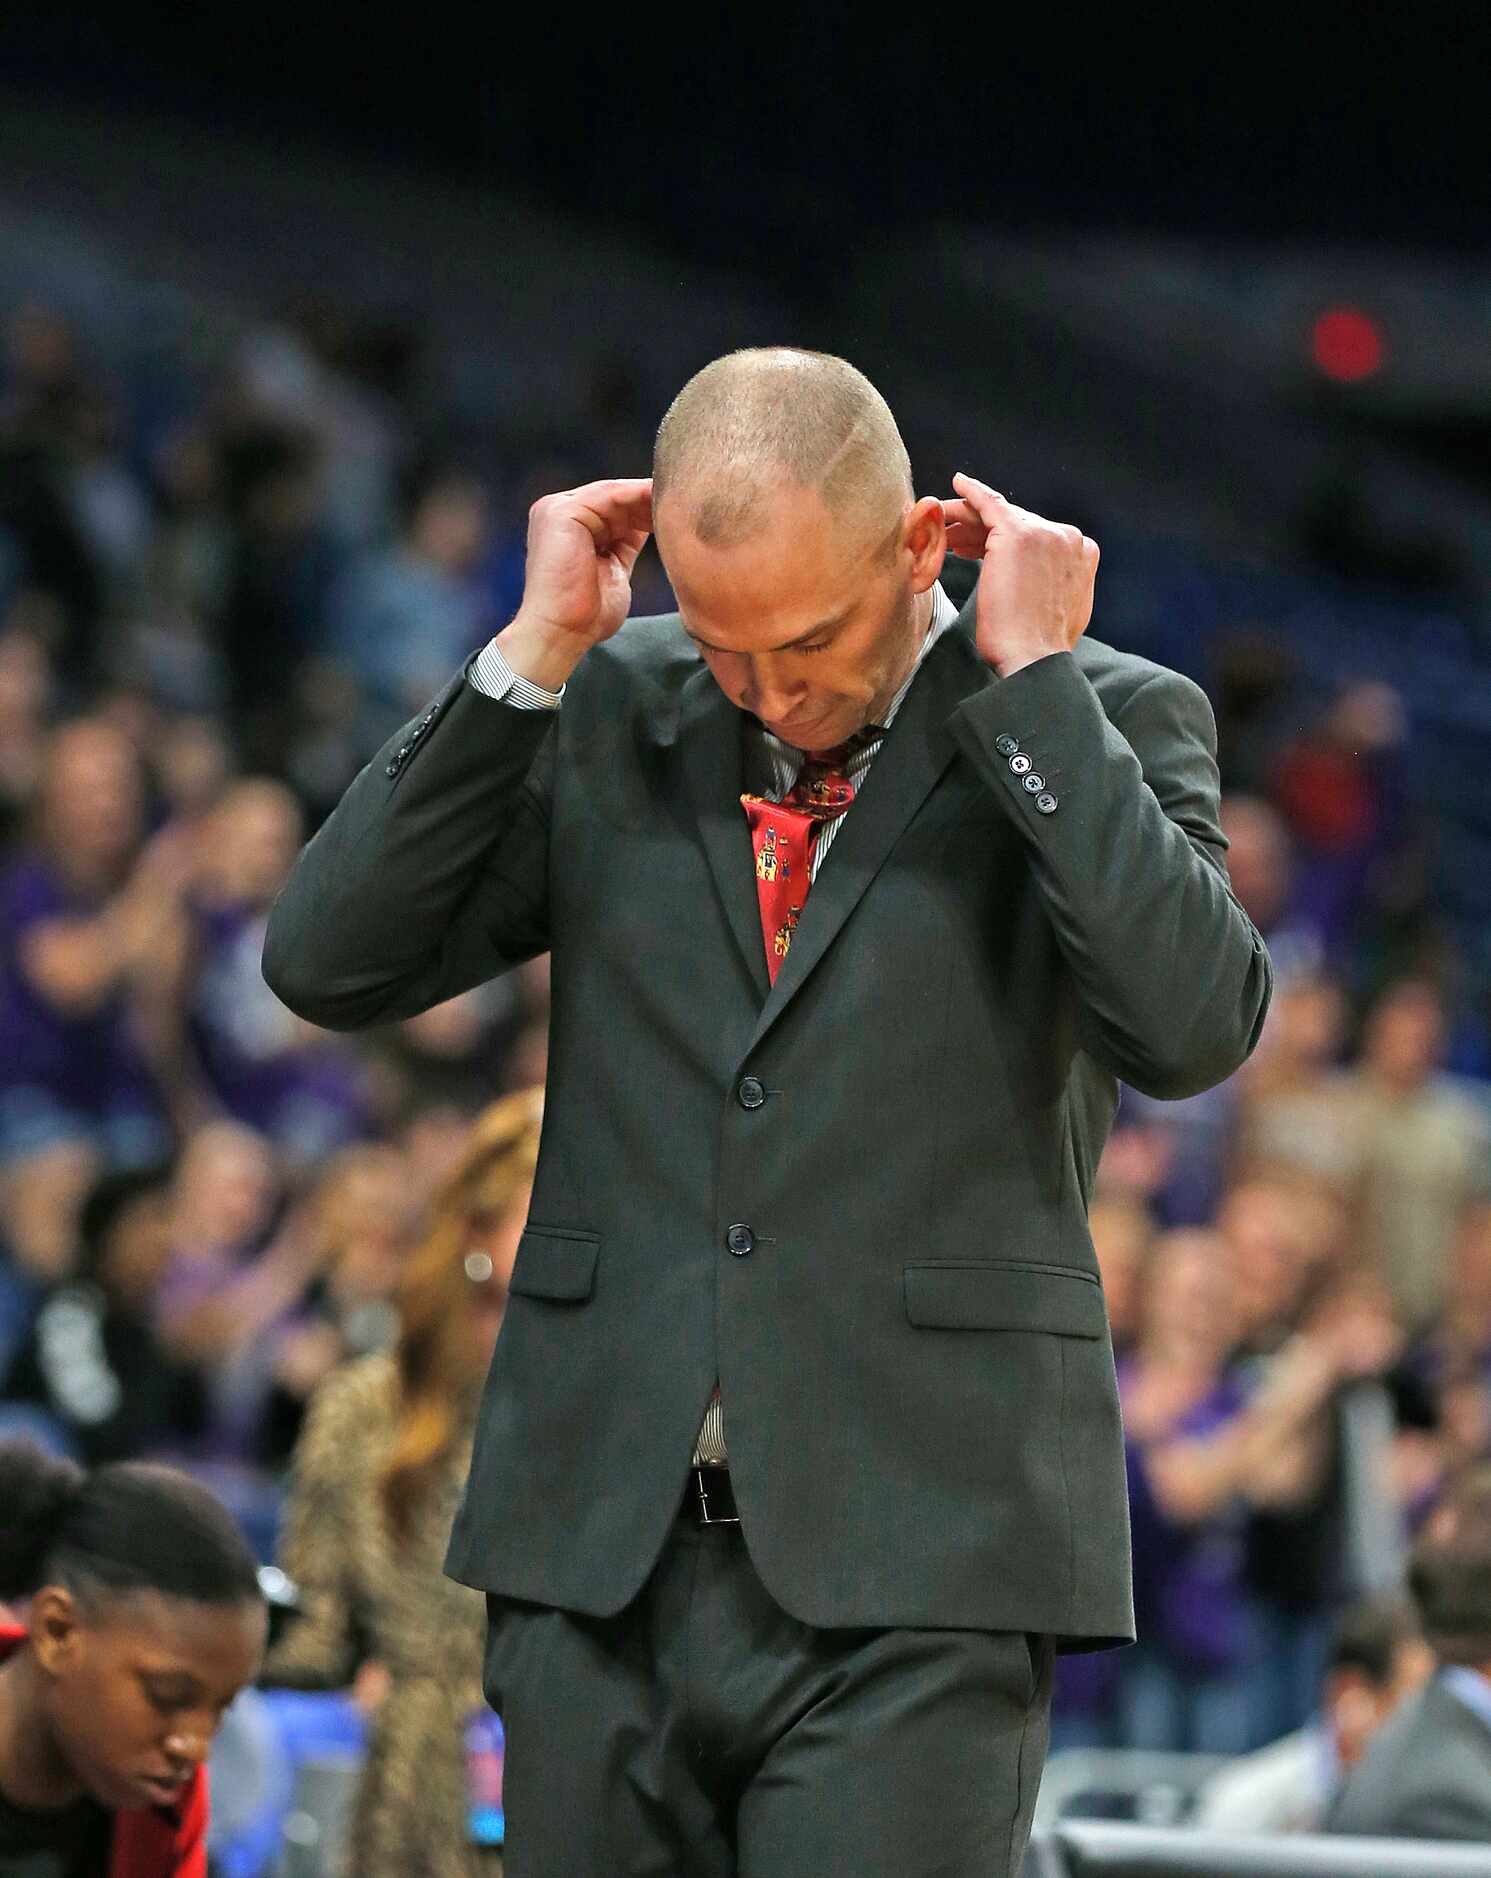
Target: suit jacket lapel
(711,741)
(902,776)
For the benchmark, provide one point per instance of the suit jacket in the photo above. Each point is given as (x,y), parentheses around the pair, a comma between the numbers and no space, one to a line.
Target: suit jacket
(1426,1774)
(858,1197)
(153,1842)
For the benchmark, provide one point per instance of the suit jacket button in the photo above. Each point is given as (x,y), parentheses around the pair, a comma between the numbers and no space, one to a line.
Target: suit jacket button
(1006,745)
(1046,804)
(1020,765)
(751,1094)
(740,1240)
(1034,783)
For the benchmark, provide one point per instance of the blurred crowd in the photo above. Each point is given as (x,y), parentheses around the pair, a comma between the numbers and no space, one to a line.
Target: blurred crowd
(1298,1273)
(220,591)
(209,619)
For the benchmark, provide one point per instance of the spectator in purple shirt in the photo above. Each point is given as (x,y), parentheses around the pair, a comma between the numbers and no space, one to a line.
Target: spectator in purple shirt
(85,915)
(244,1053)
(1201,1453)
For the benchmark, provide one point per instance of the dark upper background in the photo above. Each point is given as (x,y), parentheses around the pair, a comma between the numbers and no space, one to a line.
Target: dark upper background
(778,144)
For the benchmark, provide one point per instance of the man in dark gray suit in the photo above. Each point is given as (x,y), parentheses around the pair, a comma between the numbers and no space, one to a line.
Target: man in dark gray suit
(1427,1772)
(800,1452)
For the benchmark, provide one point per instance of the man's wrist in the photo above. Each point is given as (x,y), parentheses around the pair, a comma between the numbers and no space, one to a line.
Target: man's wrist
(540,654)
(1007,666)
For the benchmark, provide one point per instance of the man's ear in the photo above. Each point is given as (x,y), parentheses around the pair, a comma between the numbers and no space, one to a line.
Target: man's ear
(55,1629)
(924,537)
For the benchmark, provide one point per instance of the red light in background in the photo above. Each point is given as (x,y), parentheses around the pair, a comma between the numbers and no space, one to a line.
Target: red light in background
(1347,344)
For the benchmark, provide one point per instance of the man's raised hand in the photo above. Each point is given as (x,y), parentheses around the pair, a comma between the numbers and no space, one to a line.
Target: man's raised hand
(582,546)
(1035,590)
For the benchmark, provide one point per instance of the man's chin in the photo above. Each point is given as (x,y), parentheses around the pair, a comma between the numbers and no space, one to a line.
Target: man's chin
(816,733)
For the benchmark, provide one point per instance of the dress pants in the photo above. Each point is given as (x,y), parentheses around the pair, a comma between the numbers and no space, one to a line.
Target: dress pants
(701,1732)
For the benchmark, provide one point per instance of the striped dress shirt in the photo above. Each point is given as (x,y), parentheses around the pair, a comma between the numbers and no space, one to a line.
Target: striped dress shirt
(779,764)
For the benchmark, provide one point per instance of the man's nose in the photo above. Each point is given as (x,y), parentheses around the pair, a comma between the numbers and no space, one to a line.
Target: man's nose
(770,692)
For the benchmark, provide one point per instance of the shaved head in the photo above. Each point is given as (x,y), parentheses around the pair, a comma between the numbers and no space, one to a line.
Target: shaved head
(754,421)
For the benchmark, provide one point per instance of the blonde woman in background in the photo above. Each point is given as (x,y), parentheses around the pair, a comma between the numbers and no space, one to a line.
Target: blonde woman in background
(378,1472)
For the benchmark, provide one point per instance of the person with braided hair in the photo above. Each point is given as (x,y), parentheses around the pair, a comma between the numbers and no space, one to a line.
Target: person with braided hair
(141,1619)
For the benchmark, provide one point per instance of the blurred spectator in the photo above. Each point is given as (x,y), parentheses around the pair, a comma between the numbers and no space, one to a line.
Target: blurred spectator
(1260,863)
(25,690)
(1443,1385)
(220,1290)
(244,1053)
(94,1361)
(1467,1325)
(281,567)
(1288,1085)
(1201,1451)
(1377,1658)
(1122,1234)
(191,762)
(359,1213)
(377,1477)
(406,616)
(45,387)
(1304,1555)
(1416,1150)
(342,374)
(1342,789)
(85,918)
(1274,1240)
(1427,1772)
(271,1315)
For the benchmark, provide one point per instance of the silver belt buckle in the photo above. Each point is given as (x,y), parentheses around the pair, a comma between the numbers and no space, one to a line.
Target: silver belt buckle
(705,1518)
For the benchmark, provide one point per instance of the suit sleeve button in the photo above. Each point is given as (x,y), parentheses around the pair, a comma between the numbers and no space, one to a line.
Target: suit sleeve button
(1020,765)
(1006,745)
(1034,784)
(1046,804)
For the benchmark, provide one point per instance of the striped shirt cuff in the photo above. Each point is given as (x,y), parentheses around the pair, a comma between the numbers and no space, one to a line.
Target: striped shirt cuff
(495,678)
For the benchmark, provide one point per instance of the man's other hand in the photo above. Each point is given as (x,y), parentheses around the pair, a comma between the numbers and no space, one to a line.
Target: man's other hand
(582,546)
(1035,586)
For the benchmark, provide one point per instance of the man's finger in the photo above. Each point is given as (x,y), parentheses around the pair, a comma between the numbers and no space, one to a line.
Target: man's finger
(612,509)
(627,547)
(613,489)
(957,513)
(987,503)
(613,524)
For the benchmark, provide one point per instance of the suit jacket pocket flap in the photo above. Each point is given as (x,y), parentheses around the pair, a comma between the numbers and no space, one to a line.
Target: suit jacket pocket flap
(555,1262)
(954,1295)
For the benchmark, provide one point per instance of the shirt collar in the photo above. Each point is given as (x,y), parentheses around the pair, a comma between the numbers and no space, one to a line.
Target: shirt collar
(944,614)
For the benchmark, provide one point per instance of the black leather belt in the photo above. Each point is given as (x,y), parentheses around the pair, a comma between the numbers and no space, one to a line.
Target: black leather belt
(709,1498)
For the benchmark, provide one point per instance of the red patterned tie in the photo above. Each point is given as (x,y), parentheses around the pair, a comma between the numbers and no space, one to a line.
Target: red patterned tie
(783,835)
